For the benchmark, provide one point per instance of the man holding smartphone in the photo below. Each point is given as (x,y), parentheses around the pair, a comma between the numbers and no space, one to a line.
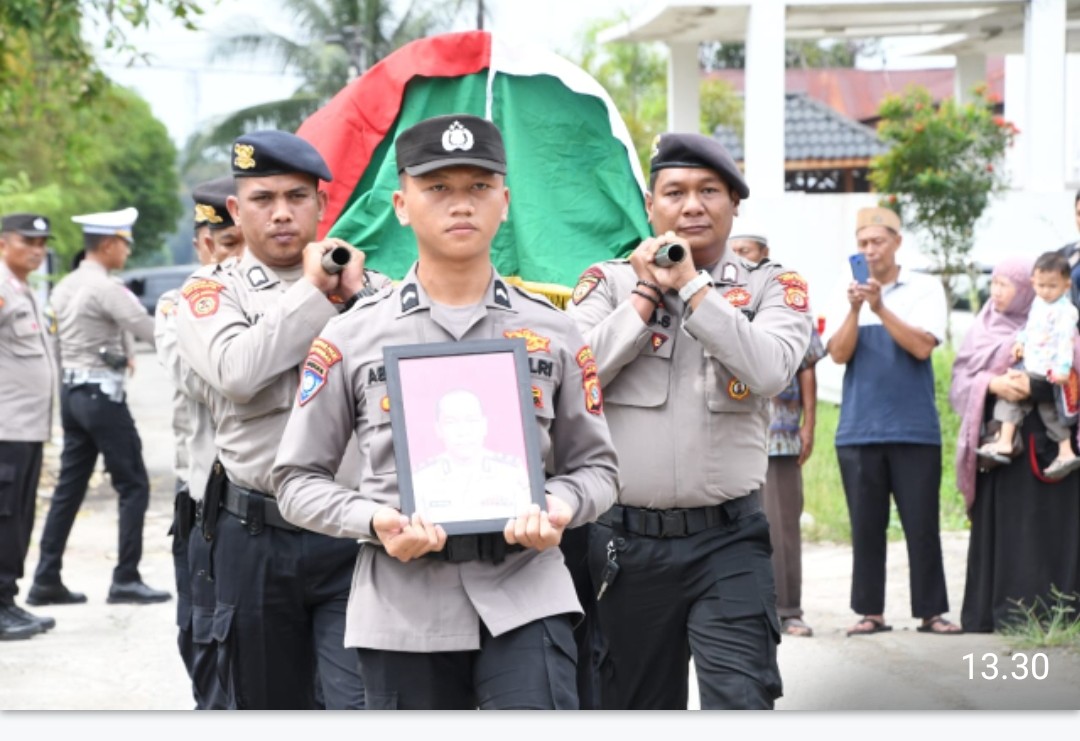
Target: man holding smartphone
(889,439)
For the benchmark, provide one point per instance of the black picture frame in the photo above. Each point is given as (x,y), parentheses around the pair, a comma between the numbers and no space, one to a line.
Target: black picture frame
(506,390)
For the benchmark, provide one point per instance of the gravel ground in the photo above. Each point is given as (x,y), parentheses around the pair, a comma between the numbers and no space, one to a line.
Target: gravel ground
(123,657)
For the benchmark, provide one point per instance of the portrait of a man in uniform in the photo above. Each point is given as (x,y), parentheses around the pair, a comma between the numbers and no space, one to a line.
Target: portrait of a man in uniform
(467,480)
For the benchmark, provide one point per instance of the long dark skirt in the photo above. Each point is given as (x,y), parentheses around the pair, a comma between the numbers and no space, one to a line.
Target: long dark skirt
(1025,536)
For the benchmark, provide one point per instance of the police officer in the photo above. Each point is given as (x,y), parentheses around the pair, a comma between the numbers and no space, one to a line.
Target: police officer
(216,238)
(470,620)
(26,392)
(280,591)
(93,312)
(689,354)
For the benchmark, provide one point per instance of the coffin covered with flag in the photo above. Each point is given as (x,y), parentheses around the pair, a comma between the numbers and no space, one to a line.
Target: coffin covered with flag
(576,189)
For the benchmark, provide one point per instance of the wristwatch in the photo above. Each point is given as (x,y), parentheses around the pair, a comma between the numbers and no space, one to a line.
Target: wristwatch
(367,290)
(694,285)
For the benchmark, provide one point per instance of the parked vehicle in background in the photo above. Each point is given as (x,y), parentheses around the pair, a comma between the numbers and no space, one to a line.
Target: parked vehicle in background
(149,283)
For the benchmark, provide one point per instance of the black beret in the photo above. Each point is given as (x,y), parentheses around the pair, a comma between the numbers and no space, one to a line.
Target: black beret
(697,150)
(446,141)
(28,225)
(271,152)
(209,200)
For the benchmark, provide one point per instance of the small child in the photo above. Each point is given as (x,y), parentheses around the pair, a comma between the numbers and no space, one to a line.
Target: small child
(1045,344)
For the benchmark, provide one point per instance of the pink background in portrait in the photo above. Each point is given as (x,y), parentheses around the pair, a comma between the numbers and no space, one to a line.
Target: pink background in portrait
(491,377)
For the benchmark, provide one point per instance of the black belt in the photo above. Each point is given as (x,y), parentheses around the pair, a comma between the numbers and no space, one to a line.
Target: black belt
(254,509)
(481,547)
(680,523)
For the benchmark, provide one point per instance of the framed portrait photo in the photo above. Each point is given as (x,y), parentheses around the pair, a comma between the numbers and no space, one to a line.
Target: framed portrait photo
(465,438)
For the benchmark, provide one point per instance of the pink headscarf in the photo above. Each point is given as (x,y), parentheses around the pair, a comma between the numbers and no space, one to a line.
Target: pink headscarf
(986,352)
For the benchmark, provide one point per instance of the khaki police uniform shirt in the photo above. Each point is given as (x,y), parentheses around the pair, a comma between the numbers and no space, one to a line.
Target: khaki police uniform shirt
(27,368)
(193,427)
(686,394)
(93,310)
(245,331)
(165,345)
(427,605)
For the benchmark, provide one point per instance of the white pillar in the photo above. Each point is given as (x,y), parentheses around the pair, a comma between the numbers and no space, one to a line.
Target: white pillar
(1044,47)
(764,119)
(684,89)
(970,71)
(1016,158)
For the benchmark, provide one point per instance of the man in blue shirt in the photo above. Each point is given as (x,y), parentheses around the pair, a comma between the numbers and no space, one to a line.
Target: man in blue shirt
(889,440)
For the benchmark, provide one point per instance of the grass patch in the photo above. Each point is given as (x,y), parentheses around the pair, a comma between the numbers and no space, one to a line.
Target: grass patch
(827,512)
(1040,625)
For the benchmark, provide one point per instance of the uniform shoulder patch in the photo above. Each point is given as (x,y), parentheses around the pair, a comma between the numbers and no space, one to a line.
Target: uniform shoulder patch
(590,380)
(587,283)
(322,356)
(202,296)
(796,293)
(166,305)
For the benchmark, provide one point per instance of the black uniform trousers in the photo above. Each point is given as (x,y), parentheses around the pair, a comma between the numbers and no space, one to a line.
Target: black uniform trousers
(575,550)
(277,630)
(20,470)
(710,596)
(912,474)
(208,691)
(528,668)
(93,424)
(183,518)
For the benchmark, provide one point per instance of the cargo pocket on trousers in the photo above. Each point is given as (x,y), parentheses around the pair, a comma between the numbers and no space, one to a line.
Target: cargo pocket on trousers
(7,489)
(741,598)
(560,658)
(225,649)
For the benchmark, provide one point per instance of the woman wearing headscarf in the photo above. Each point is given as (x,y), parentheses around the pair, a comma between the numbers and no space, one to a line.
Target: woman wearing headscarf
(1025,528)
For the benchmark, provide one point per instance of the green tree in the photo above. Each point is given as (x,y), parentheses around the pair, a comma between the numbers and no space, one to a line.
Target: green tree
(635,76)
(797,54)
(332,42)
(55,28)
(105,154)
(943,166)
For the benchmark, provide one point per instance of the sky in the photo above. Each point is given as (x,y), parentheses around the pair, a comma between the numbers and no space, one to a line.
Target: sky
(185,88)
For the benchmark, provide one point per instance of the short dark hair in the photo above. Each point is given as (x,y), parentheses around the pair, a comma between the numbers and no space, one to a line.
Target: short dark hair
(1077,198)
(1052,262)
(91,242)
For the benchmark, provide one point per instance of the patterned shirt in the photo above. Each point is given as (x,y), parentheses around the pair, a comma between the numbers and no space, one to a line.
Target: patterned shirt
(786,407)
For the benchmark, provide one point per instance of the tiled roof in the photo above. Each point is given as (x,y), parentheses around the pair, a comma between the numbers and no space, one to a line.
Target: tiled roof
(813,131)
(857,93)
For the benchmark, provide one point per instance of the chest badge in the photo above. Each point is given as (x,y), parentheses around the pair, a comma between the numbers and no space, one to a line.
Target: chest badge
(533,341)
(737,390)
(657,340)
(738,297)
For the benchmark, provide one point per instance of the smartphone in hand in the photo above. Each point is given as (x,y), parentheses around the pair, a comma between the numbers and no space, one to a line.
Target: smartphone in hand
(859,269)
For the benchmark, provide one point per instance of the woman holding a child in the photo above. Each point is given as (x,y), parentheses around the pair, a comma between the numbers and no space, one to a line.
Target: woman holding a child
(1025,525)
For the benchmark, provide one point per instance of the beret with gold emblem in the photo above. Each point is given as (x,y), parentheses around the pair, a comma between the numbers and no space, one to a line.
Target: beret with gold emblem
(271,152)
(697,150)
(209,197)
